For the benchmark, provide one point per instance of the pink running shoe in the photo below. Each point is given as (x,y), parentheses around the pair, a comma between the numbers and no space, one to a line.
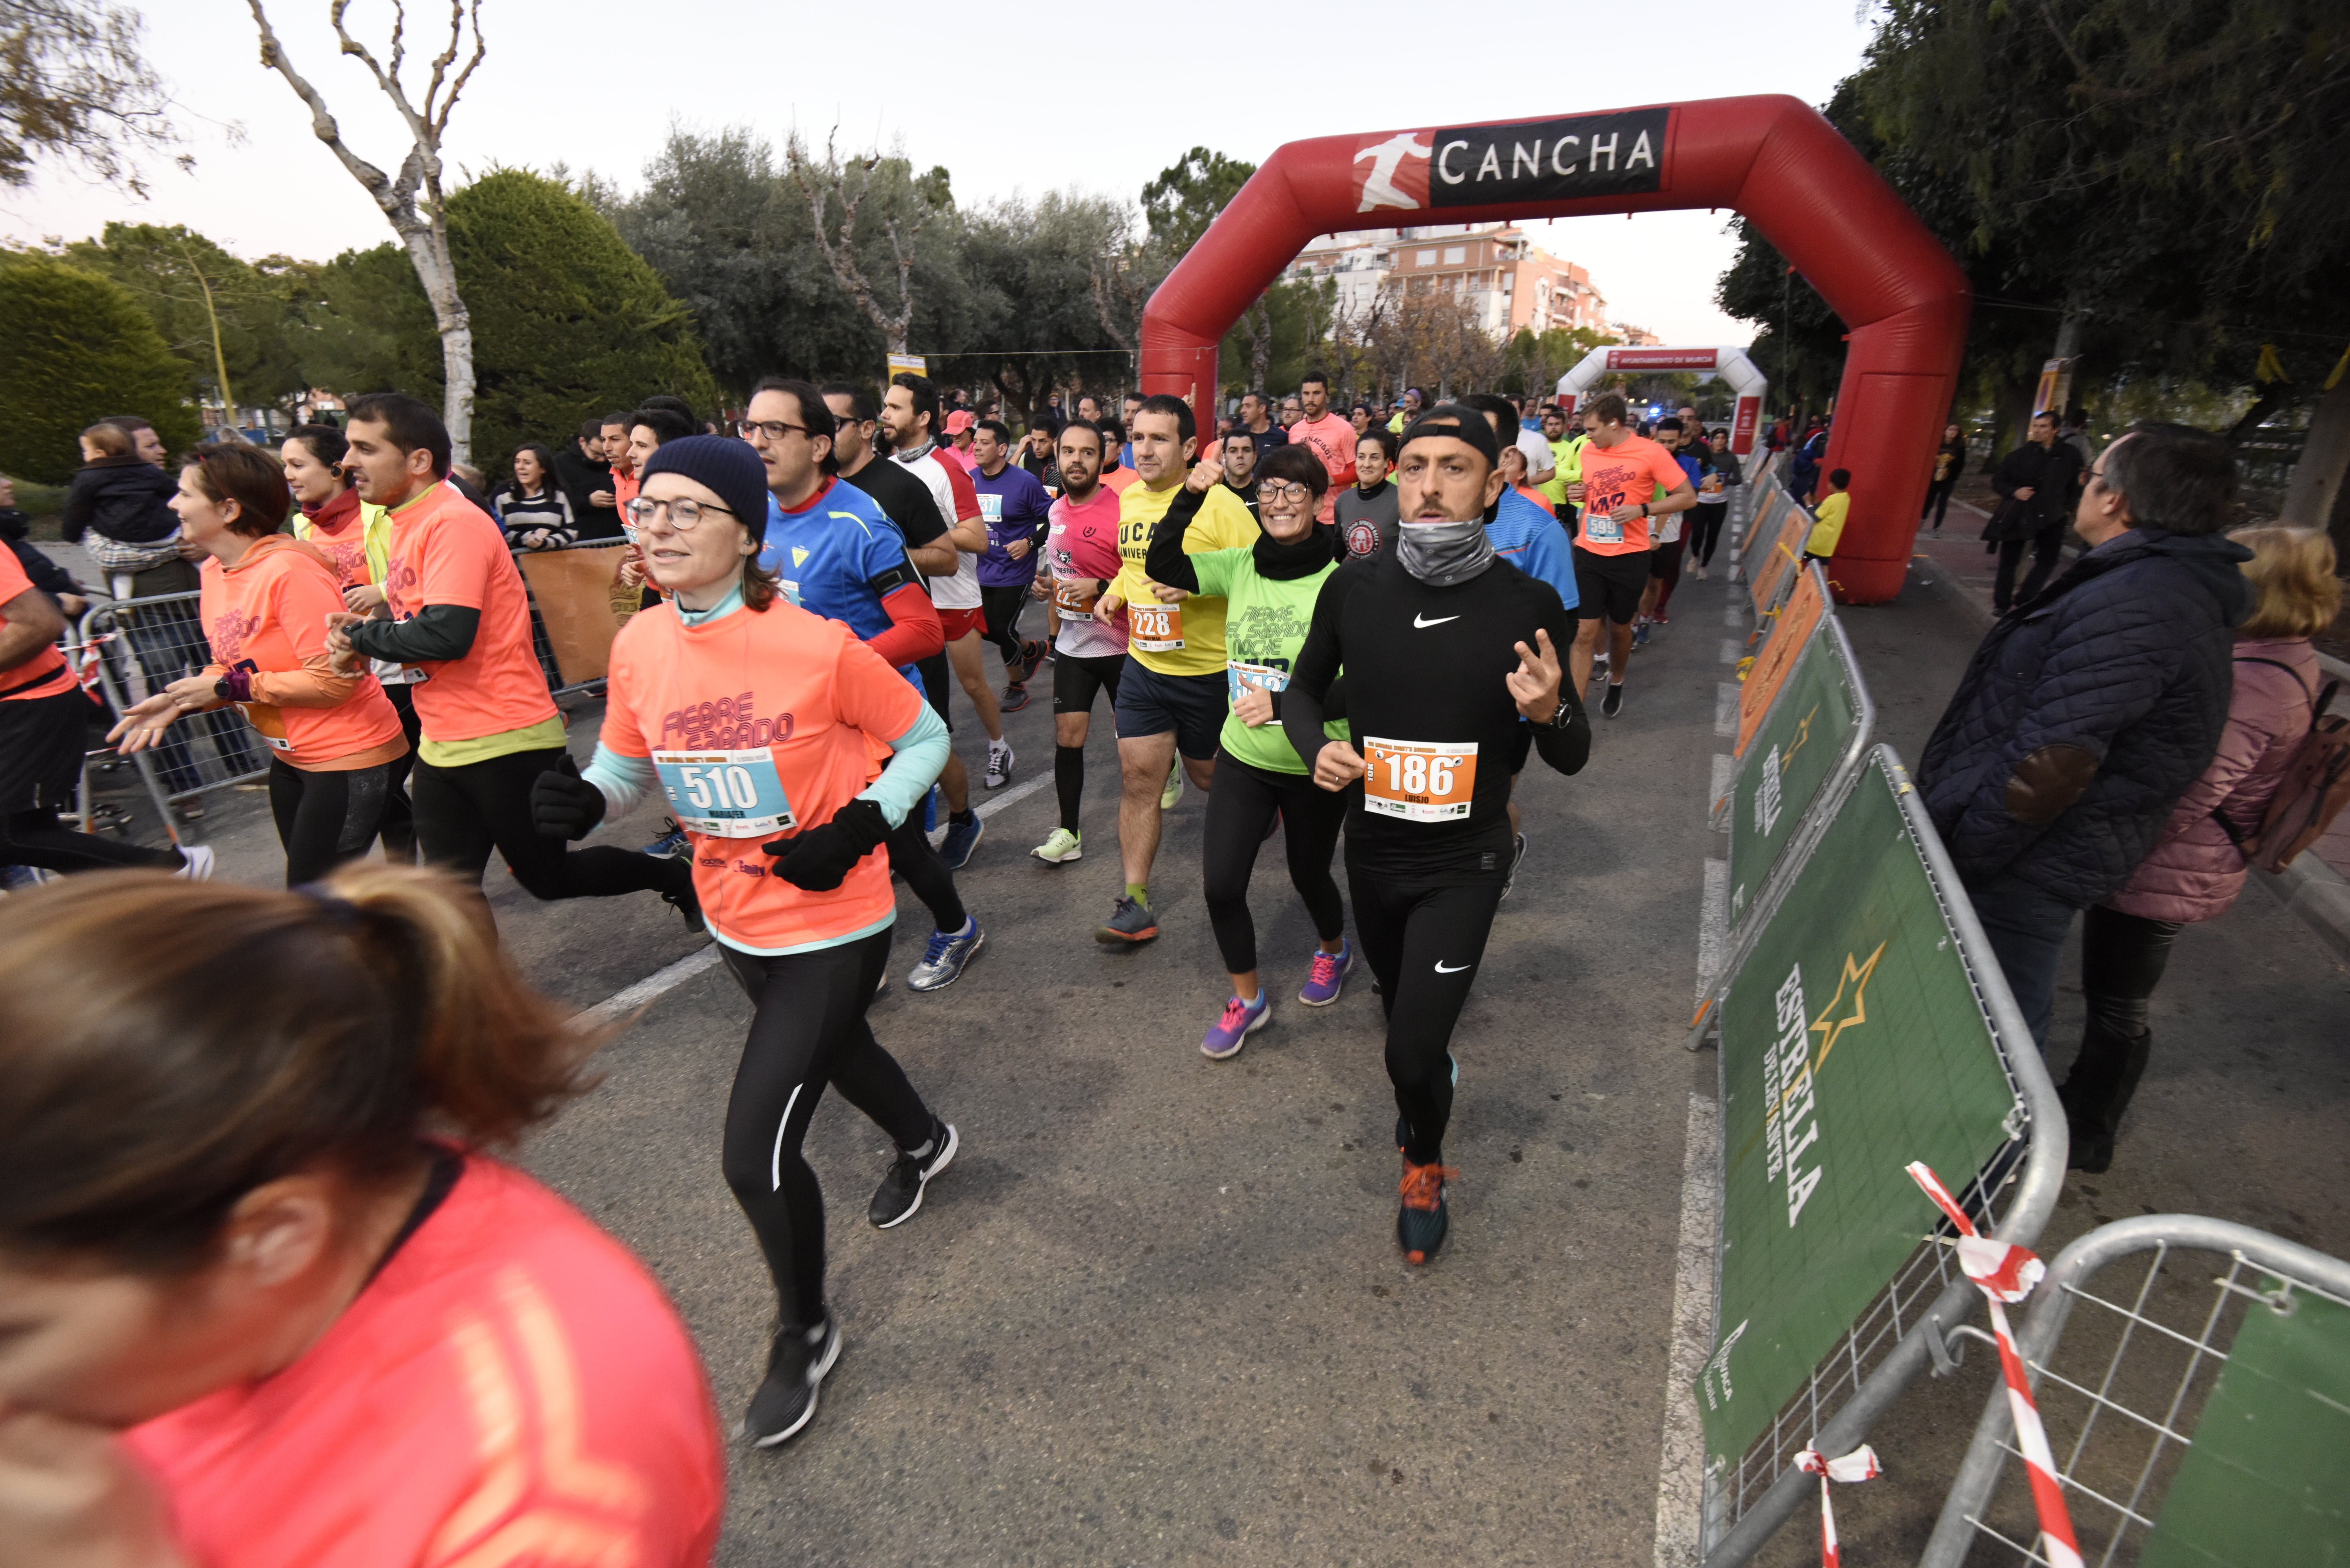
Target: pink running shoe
(1328,977)
(1240,1019)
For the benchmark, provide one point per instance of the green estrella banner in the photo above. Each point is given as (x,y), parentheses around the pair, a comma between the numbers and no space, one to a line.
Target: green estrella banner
(1792,758)
(1852,1044)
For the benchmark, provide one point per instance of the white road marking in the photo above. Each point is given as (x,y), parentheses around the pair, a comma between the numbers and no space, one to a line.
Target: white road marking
(621,1004)
(1680,1474)
(1725,769)
(1725,708)
(1732,648)
(1712,924)
(1736,618)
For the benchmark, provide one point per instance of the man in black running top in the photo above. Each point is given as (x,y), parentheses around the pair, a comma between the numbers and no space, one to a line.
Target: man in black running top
(1445,649)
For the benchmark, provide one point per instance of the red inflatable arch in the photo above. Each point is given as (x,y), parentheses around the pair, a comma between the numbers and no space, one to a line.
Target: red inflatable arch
(1772,158)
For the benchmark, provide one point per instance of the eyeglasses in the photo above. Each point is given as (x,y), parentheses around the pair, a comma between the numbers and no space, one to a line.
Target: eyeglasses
(1274,490)
(681,515)
(2099,475)
(772,428)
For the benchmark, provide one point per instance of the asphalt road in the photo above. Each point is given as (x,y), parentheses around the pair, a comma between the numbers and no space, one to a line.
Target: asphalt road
(1155,1311)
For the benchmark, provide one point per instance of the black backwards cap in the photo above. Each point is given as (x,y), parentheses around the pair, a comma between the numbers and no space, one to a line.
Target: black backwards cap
(1452,420)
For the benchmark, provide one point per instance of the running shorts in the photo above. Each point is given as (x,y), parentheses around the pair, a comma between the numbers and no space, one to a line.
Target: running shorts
(962,623)
(41,743)
(1192,706)
(1611,585)
(1075,680)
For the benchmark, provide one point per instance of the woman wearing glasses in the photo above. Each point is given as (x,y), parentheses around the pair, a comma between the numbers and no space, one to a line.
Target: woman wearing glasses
(1270,587)
(763,723)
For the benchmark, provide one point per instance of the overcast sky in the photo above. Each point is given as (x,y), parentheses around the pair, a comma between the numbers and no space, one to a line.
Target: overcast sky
(1010,107)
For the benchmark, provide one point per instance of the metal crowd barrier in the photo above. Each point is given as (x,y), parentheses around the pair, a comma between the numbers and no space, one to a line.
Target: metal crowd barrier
(1847,931)
(143,645)
(2202,1415)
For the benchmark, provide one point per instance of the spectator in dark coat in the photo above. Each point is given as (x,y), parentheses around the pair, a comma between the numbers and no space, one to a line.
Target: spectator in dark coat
(1805,472)
(2041,477)
(117,494)
(581,473)
(2084,717)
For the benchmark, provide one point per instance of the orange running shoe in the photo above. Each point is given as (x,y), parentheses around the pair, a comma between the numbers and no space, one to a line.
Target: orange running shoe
(1419,1224)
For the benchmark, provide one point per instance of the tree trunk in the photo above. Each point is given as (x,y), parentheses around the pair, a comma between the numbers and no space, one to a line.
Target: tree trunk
(2316,494)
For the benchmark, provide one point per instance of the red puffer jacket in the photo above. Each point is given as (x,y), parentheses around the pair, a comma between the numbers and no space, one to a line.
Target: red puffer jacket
(2194,872)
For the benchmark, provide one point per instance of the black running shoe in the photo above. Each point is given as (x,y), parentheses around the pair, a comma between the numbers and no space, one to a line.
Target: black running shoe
(1420,1223)
(901,1193)
(687,905)
(1612,703)
(796,1363)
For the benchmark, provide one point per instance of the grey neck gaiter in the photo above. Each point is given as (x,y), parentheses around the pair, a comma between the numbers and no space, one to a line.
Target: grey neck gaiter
(1444,554)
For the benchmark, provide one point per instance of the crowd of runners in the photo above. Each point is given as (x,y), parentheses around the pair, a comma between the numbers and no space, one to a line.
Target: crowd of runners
(253,1120)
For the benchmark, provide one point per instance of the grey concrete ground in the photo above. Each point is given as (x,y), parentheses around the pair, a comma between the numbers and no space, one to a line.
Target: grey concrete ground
(1155,1313)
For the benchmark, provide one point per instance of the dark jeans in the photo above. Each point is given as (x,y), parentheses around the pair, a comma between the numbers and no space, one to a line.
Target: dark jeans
(2026,927)
(1938,501)
(2122,961)
(2047,548)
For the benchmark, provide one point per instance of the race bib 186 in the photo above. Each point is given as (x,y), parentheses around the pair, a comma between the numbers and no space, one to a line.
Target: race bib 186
(728,795)
(1418,781)
(1155,628)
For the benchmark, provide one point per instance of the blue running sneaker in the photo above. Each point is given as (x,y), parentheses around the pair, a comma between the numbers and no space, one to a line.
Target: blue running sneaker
(673,840)
(962,838)
(1239,1019)
(943,961)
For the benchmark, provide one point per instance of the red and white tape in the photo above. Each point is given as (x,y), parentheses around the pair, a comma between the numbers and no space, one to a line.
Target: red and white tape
(2005,1274)
(1859,1465)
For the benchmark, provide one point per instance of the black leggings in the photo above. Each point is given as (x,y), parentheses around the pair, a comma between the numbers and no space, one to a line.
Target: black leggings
(1665,567)
(1424,944)
(35,838)
(464,812)
(399,823)
(1705,530)
(912,857)
(1001,608)
(2122,961)
(807,1030)
(325,818)
(1240,811)
(1937,500)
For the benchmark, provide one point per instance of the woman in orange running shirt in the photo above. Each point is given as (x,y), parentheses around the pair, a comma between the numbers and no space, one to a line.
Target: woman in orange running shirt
(255,1310)
(332,737)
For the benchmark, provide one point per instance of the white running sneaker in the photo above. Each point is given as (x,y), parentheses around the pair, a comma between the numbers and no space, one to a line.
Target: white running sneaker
(195,862)
(1174,790)
(999,763)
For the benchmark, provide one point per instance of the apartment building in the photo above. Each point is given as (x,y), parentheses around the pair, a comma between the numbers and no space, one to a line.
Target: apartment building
(1505,277)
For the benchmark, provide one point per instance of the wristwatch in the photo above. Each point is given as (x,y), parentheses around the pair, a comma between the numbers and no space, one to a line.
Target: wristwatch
(1566,706)
(220,689)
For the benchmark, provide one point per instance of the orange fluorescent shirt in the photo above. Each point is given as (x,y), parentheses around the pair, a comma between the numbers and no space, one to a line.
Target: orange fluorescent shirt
(513,1389)
(1333,441)
(445,550)
(43,674)
(1633,471)
(802,689)
(267,617)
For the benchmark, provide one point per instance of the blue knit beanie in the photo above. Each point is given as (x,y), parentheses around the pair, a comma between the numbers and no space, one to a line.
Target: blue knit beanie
(726,465)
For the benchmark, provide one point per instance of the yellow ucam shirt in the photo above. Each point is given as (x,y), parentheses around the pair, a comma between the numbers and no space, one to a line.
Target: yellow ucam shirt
(1186,638)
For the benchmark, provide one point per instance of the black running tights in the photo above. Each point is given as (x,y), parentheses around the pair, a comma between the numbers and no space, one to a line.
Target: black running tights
(912,857)
(1240,812)
(1705,529)
(807,1030)
(1424,944)
(35,838)
(1001,608)
(325,818)
(464,812)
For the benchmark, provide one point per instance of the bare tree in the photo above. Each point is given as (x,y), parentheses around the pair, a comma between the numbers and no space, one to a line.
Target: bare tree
(412,201)
(849,184)
(73,85)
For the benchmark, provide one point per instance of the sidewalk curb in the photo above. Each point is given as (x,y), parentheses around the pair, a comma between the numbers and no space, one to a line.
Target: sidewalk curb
(2308,887)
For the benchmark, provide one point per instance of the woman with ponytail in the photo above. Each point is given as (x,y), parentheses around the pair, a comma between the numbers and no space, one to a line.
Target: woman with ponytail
(265,1300)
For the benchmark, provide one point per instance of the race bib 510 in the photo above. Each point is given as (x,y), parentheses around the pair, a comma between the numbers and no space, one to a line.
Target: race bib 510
(728,795)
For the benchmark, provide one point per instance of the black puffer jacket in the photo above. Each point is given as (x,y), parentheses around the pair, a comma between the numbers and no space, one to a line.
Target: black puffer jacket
(124,498)
(2086,713)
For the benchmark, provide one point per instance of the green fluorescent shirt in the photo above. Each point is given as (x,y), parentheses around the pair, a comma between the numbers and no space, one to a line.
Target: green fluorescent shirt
(1264,626)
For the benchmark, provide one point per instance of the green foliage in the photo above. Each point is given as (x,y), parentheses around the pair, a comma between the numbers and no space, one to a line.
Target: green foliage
(734,237)
(1532,365)
(1279,336)
(170,270)
(74,348)
(1036,322)
(1188,194)
(568,322)
(2174,175)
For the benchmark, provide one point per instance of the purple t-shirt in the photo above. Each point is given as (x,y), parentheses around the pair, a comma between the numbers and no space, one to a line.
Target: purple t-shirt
(1015,506)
